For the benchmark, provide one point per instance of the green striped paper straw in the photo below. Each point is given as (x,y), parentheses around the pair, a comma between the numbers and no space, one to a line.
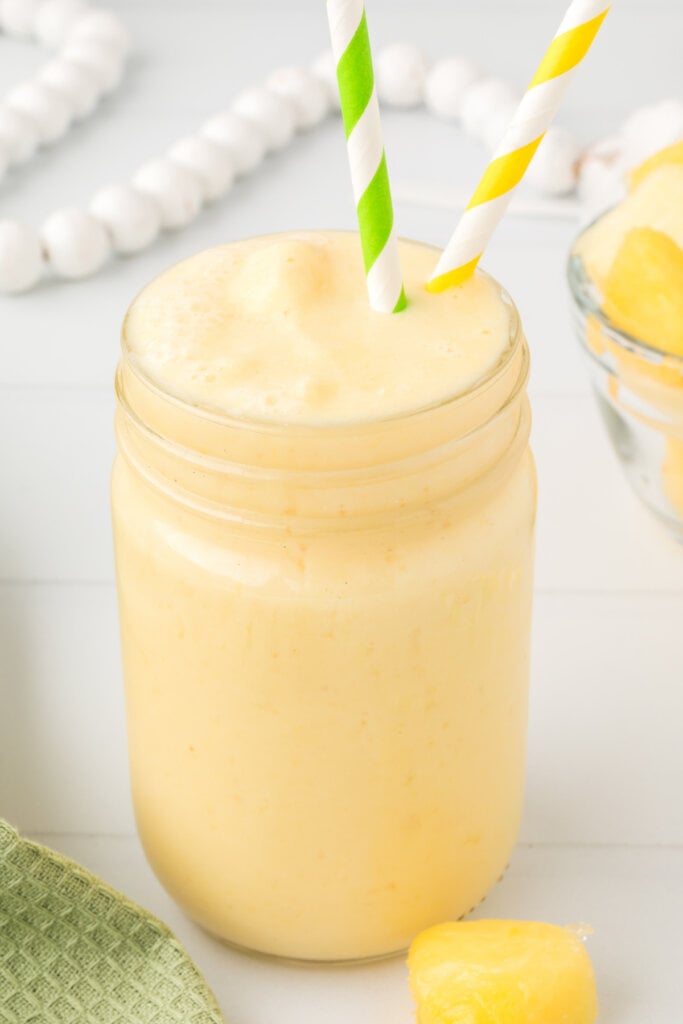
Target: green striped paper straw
(369,175)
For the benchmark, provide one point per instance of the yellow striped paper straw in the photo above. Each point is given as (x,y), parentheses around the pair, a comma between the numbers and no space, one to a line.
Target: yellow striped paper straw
(369,175)
(530,123)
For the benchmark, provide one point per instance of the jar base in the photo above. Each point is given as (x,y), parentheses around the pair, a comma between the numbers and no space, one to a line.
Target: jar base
(300,961)
(341,962)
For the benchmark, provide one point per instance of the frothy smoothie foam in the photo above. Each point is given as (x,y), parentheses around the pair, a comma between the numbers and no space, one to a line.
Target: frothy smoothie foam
(324,593)
(280,328)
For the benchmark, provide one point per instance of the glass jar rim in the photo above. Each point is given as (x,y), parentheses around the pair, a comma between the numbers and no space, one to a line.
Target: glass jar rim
(589,302)
(330,428)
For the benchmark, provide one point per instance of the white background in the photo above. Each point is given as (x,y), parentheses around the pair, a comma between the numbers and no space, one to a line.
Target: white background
(603,834)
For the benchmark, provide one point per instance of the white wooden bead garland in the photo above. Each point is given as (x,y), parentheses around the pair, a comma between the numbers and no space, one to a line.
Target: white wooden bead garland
(75,242)
(167,193)
(132,218)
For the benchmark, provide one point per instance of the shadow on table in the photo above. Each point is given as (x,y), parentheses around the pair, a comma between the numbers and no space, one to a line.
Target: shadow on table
(22,772)
(63,759)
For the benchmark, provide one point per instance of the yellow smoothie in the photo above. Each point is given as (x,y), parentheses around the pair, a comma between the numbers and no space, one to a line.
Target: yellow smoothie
(323,522)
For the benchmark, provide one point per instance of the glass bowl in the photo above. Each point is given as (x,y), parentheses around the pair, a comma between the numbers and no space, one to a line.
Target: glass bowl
(639,390)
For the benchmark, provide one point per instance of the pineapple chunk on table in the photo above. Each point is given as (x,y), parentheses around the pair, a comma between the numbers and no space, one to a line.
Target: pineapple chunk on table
(501,972)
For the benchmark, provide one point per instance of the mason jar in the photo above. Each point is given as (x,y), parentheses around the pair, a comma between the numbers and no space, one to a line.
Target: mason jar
(325,637)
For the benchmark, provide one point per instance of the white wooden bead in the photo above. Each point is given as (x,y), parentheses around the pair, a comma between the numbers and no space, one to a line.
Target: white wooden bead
(609,149)
(650,129)
(272,114)
(17,17)
(211,163)
(601,185)
(446,84)
(75,242)
(177,191)
(105,64)
(21,257)
(401,73)
(132,219)
(48,109)
(54,19)
(103,27)
(75,83)
(19,134)
(243,139)
(482,101)
(325,68)
(555,167)
(307,94)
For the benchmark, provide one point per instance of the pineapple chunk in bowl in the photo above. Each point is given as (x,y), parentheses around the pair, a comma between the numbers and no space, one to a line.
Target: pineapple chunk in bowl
(626,280)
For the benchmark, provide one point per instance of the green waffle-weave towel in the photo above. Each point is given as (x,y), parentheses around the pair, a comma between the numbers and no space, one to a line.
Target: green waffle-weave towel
(75,951)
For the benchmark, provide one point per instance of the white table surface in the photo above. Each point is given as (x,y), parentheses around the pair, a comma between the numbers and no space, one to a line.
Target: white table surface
(602,839)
